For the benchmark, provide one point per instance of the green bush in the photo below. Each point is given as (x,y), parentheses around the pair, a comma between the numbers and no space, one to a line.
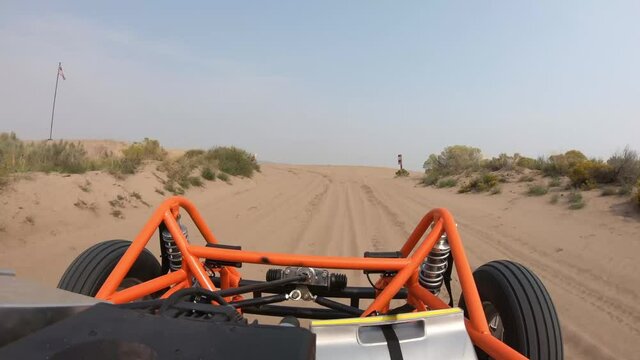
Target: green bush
(46,156)
(625,166)
(480,183)
(194,153)
(503,161)
(61,156)
(588,173)
(195,181)
(134,154)
(453,160)
(558,165)
(555,182)
(178,172)
(446,183)
(402,173)
(529,163)
(174,188)
(222,176)
(234,161)
(575,200)
(208,174)
(537,190)
(429,179)
(625,189)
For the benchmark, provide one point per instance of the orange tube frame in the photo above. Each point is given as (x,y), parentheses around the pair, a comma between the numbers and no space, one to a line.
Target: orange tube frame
(413,250)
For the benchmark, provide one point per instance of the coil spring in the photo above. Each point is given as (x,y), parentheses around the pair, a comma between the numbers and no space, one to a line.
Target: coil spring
(432,269)
(174,256)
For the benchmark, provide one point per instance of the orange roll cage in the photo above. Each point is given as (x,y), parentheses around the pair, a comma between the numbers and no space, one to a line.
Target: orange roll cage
(413,251)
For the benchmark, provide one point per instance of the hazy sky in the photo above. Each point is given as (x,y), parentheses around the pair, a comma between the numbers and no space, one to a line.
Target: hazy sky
(340,82)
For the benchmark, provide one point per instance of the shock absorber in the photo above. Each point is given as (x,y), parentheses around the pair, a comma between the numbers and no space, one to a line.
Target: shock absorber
(432,269)
(170,251)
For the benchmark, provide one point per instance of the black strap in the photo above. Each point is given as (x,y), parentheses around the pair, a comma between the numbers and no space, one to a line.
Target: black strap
(406,308)
(393,344)
(447,278)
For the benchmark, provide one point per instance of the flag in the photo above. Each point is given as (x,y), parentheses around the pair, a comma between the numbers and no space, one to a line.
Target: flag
(60,72)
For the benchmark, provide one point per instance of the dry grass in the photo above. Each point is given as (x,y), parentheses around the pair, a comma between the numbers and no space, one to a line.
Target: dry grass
(480,183)
(537,190)
(446,183)
(576,201)
(83,205)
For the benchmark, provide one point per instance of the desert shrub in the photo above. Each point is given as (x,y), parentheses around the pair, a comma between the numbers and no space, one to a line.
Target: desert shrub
(502,162)
(537,190)
(134,154)
(446,183)
(453,160)
(234,161)
(174,188)
(557,165)
(554,199)
(625,166)
(529,163)
(47,156)
(480,183)
(178,173)
(576,200)
(208,174)
(495,190)
(12,154)
(588,173)
(61,156)
(195,181)
(555,182)
(194,153)
(148,149)
(638,193)
(625,189)
(402,173)
(430,178)
(223,176)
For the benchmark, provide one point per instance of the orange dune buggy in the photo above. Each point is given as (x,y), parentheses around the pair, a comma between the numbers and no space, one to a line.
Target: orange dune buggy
(192,303)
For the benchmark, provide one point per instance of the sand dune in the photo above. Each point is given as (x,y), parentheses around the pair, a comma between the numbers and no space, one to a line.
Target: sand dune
(586,258)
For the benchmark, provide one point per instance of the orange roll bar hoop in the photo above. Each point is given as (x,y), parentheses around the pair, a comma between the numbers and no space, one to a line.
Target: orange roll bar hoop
(414,251)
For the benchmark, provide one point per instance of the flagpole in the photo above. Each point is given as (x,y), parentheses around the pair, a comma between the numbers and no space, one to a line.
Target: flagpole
(55,93)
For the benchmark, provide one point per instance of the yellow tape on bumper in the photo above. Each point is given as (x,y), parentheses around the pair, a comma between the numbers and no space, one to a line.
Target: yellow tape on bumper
(383,318)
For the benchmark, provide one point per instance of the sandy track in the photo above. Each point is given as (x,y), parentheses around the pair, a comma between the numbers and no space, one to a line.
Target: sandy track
(587,259)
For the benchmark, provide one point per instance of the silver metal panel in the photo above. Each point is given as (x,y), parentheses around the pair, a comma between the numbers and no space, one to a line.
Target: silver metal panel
(26,307)
(441,336)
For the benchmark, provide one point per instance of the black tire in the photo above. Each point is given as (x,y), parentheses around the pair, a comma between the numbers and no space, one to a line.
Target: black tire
(89,270)
(528,319)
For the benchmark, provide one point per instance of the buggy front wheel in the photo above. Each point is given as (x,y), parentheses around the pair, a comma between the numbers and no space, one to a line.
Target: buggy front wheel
(518,309)
(90,269)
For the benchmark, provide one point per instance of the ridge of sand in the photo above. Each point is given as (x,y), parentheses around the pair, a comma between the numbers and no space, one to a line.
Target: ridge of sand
(587,258)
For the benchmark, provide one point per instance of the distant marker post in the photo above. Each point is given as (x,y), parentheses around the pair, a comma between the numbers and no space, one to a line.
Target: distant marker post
(55,93)
(400,161)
